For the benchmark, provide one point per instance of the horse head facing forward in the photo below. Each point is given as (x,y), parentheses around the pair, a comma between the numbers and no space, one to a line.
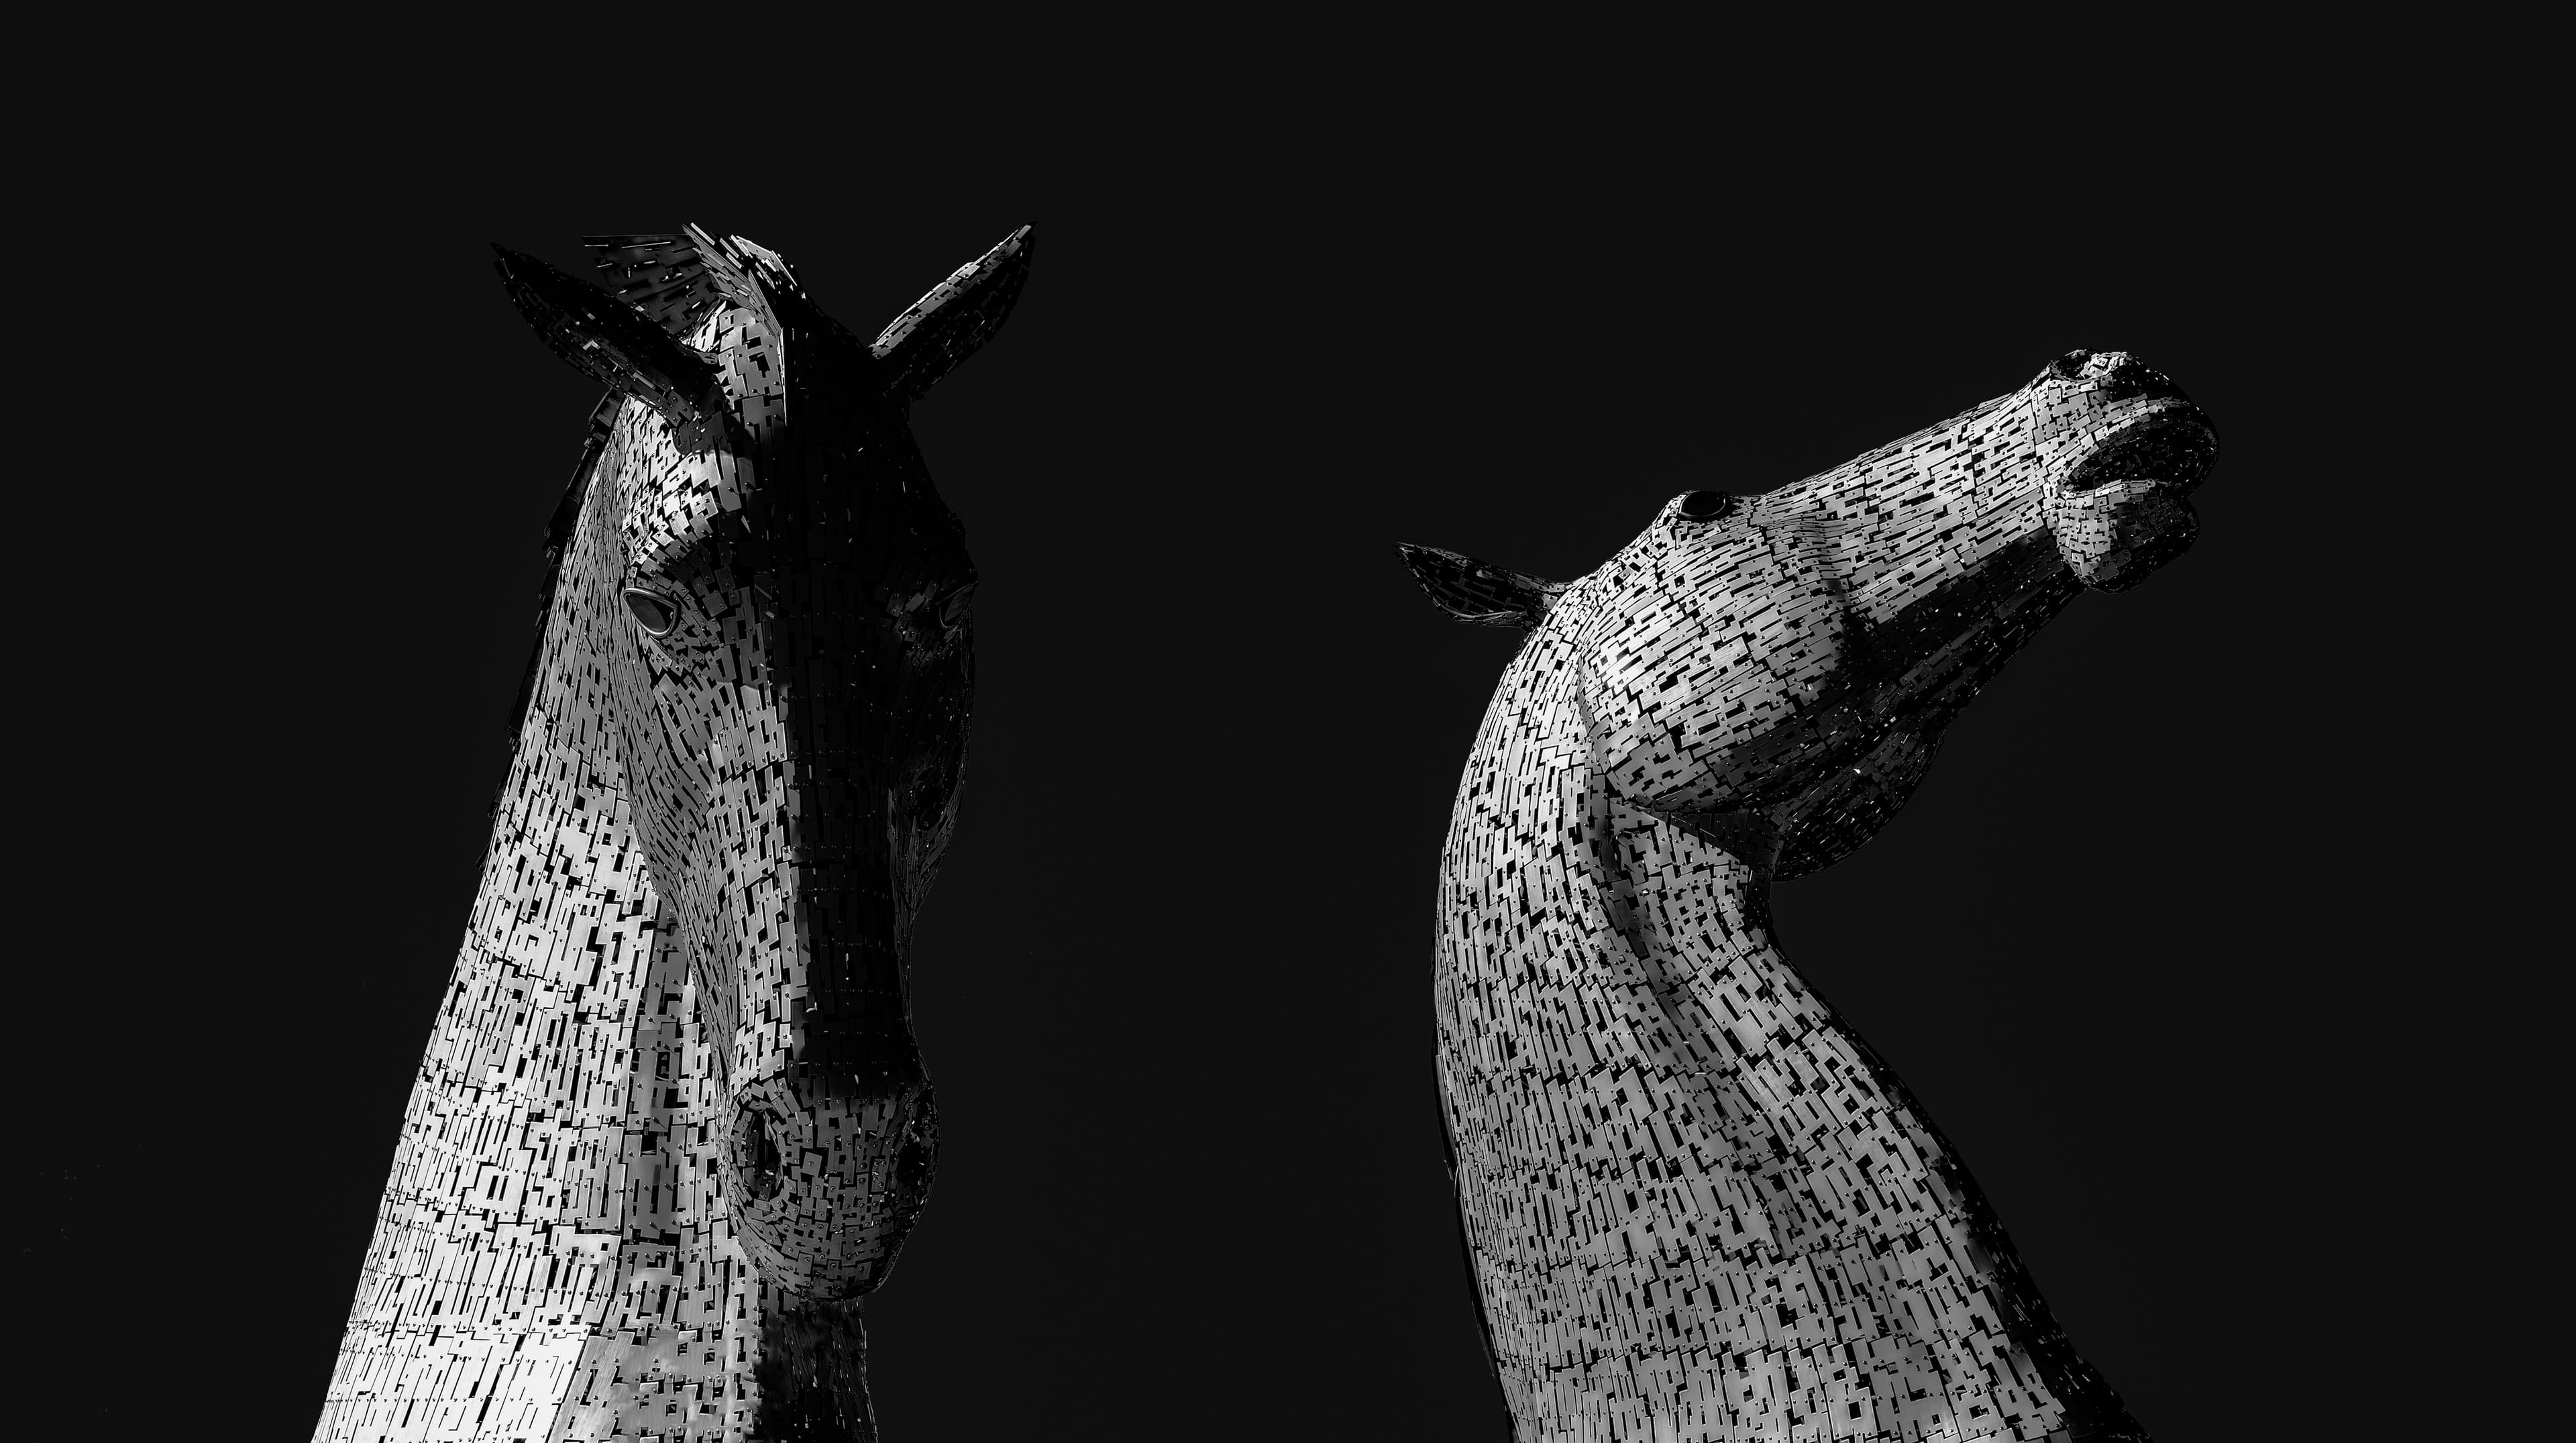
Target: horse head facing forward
(1670,1240)
(781,623)
(671,1123)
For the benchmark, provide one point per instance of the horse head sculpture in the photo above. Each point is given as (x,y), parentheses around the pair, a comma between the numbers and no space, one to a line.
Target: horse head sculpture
(1681,1177)
(672,1122)
(788,669)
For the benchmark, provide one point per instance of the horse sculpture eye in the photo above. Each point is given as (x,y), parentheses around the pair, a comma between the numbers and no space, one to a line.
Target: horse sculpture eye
(755,1155)
(1706,505)
(2070,366)
(653,613)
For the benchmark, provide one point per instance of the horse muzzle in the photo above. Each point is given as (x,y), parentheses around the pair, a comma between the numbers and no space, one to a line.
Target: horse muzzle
(828,1172)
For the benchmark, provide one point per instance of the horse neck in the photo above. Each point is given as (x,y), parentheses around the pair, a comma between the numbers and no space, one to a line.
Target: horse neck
(1560,901)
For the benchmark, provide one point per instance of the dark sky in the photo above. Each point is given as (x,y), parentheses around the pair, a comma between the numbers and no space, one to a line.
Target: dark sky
(2215,940)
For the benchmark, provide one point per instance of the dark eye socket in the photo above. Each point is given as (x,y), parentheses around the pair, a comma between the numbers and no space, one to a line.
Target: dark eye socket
(755,1155)
(2070,366)
(1706,505)
(652,613)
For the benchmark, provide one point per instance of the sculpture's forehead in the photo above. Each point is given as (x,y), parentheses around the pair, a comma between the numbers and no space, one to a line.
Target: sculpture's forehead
(667,500)
(751,357)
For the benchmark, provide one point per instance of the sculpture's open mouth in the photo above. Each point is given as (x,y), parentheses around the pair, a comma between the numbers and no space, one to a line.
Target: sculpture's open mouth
(2172,446)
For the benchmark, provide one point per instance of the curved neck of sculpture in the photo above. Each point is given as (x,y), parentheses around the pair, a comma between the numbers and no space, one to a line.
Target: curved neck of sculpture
(1782,1161)
(1810,1099)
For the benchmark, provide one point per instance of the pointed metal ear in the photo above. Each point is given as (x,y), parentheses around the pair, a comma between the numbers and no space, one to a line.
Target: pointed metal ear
(959,315)
(1477,594)
(618,346)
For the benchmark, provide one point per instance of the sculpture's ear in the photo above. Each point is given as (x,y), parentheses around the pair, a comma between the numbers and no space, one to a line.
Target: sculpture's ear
(1478,594)
(960,314)
(618,346)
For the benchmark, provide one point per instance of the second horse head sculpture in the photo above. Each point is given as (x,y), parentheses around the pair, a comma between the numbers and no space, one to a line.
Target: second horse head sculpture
(1696,1205)
(672,1122)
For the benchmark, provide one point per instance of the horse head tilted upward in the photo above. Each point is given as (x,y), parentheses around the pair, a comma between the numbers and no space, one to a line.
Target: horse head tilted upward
(1696,1205)
(678,1055)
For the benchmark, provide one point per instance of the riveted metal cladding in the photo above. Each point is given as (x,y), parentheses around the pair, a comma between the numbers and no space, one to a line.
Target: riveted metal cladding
(1697,1206)
(672,1122)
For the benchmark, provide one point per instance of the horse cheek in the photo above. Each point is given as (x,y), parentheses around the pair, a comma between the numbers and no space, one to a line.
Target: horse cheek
(1686,719)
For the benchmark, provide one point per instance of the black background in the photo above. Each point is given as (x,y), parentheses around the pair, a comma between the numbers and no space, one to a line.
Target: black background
(2215,940)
